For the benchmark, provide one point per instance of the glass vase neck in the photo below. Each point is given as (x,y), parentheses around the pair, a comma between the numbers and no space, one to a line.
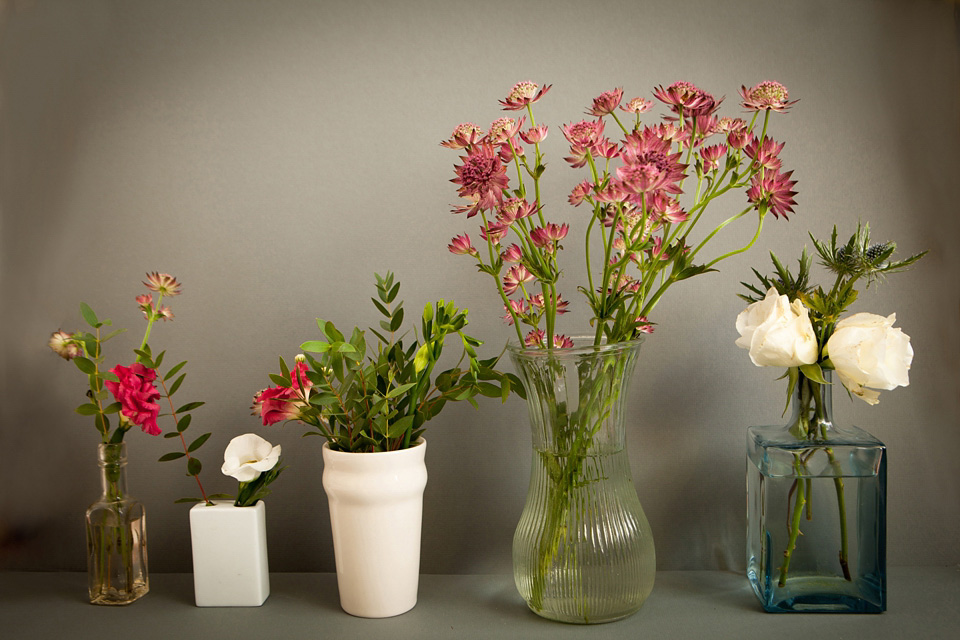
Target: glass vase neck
(112,460)
(812,407)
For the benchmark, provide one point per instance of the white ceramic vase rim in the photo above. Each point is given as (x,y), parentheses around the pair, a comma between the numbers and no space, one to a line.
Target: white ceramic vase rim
(399,452)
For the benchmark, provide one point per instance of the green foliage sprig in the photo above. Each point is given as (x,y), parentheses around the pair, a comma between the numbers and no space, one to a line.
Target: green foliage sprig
(366,398)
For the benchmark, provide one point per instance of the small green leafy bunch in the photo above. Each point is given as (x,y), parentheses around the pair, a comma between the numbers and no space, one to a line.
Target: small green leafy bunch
(368,398)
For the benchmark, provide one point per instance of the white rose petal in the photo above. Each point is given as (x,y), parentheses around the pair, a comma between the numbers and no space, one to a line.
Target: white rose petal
(249,455)
(868,352)
(777,333)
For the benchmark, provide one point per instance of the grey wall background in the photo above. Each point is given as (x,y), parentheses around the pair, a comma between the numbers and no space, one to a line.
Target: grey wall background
(273,155)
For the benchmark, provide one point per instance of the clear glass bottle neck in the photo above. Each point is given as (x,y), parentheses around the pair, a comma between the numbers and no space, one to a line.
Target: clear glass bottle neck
(112,459)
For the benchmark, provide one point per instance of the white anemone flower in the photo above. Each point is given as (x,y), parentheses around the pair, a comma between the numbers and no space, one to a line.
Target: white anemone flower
(249,455)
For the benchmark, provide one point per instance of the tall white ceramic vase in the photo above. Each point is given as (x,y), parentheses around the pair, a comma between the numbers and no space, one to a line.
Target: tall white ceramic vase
(229,554)
(376,508)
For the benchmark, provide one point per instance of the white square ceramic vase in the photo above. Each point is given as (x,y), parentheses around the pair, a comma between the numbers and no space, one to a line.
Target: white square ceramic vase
(229,554)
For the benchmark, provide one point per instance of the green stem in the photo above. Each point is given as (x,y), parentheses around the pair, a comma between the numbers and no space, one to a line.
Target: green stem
(794,522)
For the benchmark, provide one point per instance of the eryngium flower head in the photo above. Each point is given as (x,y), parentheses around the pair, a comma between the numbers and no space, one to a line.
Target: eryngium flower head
(163,283)
(64,346)
(767,95)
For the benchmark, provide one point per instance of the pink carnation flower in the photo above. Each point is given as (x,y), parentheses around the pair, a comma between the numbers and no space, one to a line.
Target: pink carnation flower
(276,404)
(136,394)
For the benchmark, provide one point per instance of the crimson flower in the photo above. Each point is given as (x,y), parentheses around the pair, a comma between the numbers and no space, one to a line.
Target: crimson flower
(276,404)
(136,393)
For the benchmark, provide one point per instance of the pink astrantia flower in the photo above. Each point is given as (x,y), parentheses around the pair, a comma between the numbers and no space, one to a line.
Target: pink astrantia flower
(727,124)
(513,253)
(136,394)
(162,283)
(775,190)
(537,302)
(663,207)
(514,209)
(515,276)
(580,192)
(585,133)
(165,313)
(534,134)
(464,135)
(461,245)
(606,149)
(547,236)
(519,307)
(643,325)
(711,156)
(64,346)
(649,163)
(638,105)
(606,103)
(481,175)
(687,97)
(562,342)
(534,338)
(766,154)
(738,139)
(767,95)
(493,232)
(504,129)
(522,94)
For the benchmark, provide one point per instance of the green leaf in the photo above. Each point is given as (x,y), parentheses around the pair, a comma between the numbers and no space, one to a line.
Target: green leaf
(185,500)
(184,423)
(392,293)
(400,427)
(396,391)
(89,316)
(113,333)
(159,359)
(196,444)
(88,409)
(171,434)
(315,346)
(280,381)
(193,467)
(107,375)
(397,321)
(793,374)
(220,496)
(190,406)
(176,384)
(176,368)
(113,407)
(171,456)
(813,372)
(85,364)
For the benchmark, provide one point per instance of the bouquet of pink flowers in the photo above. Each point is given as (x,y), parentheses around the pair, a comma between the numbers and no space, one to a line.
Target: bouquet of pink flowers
(638,236)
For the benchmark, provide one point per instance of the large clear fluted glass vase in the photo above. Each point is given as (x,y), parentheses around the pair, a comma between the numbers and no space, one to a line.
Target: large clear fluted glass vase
(116,535)
(816,510)
(583,550)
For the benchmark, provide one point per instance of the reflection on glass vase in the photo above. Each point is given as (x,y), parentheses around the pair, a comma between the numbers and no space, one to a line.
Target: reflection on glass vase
(583,550)
(816,511)
(116,535)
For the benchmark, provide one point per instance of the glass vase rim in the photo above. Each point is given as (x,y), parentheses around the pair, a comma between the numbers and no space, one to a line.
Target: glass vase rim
(583,345)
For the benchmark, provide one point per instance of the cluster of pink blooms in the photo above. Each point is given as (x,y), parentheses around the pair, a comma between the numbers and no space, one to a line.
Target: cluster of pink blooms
(639,199)
(276,404)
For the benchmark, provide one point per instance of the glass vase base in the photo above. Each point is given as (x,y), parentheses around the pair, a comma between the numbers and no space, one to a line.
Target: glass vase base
(819,594)
(113,597)
(556,610)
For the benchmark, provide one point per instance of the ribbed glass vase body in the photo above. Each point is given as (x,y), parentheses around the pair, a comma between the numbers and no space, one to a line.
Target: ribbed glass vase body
(583,550)
(116,535)
(816,512)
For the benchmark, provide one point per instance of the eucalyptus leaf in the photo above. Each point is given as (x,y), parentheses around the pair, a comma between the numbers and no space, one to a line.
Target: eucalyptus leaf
(196,444)
(175,455)
(89,316)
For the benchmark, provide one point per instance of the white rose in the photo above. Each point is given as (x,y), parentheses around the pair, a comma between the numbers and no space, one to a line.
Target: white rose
(868,351)
(249,455)
(777,333)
